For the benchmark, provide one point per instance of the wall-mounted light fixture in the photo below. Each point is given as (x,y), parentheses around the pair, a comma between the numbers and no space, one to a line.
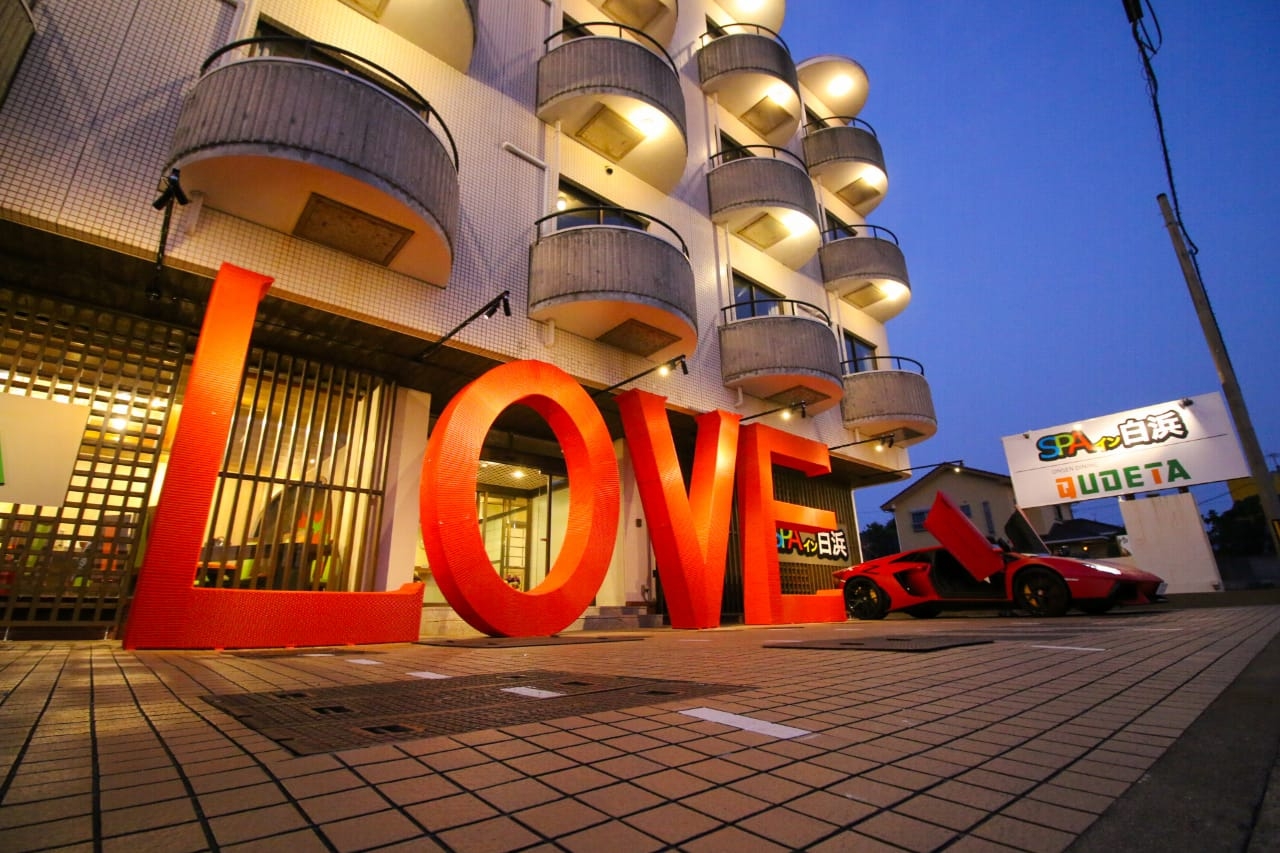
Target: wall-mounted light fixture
(802,407)
(663,369)
(882,442)
(502,300)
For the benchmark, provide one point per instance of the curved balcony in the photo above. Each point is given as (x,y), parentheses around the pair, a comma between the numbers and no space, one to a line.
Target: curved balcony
(606,274)
(326,147)
(444,28)
(615,90)
(750,71)
(781,350)
(654,18)
(16,30)
(838,83)
(863,265)
(767,201)
(845,159)
(888,394)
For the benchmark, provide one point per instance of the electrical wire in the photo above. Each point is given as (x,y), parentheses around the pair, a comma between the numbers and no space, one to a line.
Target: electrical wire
(1148,47)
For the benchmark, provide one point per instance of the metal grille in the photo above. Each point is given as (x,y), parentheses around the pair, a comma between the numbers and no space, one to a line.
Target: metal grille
(70,565)
(299,499)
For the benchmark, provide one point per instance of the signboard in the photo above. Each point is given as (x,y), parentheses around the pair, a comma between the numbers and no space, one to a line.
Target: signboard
(822,547)
(1164,446)
(39,440)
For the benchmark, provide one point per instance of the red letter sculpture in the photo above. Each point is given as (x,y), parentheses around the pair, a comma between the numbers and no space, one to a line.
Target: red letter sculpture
(760,514)
(690,533)
(168,612)
(450,526)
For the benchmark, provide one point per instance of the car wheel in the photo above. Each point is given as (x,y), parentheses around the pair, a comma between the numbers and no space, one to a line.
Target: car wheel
(863,599)
(1042,592)
(924,611)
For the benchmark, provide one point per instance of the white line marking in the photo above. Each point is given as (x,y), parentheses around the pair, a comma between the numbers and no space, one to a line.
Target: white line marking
(532,692)
(738,721)
(1070,648)
(425,674)
(364,662)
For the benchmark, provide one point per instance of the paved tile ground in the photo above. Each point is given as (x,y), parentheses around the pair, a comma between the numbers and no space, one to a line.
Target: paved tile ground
(1018,744)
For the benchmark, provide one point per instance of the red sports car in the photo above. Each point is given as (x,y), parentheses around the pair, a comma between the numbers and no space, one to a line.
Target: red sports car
(969,571)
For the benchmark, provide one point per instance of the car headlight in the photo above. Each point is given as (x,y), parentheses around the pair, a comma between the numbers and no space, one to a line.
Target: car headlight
(1107,569)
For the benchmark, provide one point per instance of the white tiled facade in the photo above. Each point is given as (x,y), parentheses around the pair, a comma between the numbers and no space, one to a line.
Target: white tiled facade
(88,121)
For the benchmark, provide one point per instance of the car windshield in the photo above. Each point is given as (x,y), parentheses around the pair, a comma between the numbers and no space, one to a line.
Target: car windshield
(1022,536)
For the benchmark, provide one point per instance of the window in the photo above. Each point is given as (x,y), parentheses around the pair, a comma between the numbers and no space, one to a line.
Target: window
(858,354)
(838,228)
(752,299)
(714,30)
(731,149)
(917,520)
(573,29)
(583,207)
(986,514)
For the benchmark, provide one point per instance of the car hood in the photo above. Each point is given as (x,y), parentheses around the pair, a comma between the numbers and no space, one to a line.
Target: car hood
(966,543)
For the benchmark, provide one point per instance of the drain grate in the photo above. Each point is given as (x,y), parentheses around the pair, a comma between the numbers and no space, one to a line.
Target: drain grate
(328,719)
(522,642)
(885,644)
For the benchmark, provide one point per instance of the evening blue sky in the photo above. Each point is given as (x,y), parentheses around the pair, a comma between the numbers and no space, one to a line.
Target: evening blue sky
(1024,165)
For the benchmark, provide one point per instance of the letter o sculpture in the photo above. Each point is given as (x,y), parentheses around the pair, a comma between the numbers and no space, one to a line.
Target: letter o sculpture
(451,526)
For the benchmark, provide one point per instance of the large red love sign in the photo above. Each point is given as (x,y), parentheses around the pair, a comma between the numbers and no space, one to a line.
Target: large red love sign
(689,531)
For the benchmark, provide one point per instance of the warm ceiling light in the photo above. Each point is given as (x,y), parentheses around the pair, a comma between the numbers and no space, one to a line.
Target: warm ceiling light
(750,5)
(117,423)
(779,93)
(795,221)
(517,474)
(648,120)
(841,84)
(893,289)
(561,203)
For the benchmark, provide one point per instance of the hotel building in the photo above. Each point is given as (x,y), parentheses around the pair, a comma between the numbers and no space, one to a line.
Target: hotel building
(620,188)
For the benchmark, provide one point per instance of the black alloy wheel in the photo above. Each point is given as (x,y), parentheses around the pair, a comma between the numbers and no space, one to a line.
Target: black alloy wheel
(1041,592)
(863,599)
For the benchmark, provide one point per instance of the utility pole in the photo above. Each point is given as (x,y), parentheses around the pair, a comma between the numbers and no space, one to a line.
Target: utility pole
(1226,377)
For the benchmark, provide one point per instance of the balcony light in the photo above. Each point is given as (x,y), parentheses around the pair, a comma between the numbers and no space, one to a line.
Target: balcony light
(841,84)
(779,93)
(796,221)
(648,120)
(893,289)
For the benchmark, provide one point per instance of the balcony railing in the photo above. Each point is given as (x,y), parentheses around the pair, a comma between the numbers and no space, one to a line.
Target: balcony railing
(768,201)
(844,156)
(881,362)
(616,90)
(749,69)
(338,59)
(781,350)
(887,394)
(617,276)
(311,140)
(587,29)
(863,265)
(773,306)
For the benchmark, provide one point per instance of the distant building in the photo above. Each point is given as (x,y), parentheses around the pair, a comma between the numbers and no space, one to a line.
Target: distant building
(984,496)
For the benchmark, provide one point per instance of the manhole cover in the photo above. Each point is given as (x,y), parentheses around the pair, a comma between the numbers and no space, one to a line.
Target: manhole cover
(519,642)
(309,721)
(884,644)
